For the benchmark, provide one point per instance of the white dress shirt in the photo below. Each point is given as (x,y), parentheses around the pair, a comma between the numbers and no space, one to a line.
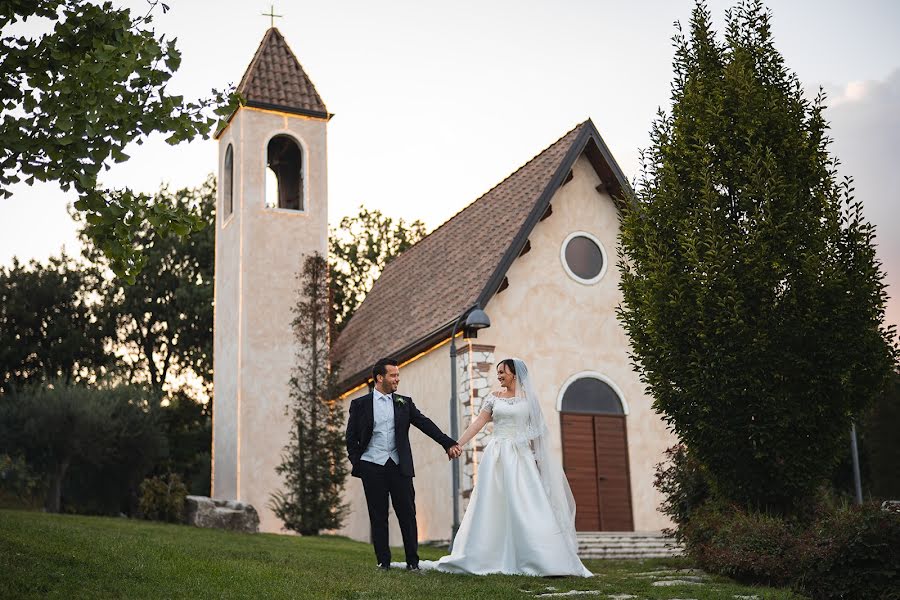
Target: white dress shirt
(383,444)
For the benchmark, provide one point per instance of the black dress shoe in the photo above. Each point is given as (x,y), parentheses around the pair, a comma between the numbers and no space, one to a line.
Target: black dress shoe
(384,566)
(414,567)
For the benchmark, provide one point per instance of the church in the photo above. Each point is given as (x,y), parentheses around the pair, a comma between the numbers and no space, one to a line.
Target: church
(535,254)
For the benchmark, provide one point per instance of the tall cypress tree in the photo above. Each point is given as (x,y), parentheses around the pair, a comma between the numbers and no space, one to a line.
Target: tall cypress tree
(312,463)
(752,296)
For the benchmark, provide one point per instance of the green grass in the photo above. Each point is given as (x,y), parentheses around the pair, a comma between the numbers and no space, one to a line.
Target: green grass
(62,556)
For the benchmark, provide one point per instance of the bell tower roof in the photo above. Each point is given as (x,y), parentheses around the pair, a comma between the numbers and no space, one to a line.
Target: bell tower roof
(275,80)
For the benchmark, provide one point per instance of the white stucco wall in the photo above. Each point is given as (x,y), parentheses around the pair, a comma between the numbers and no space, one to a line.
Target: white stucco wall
(258,255)
(427,382)
(561,327)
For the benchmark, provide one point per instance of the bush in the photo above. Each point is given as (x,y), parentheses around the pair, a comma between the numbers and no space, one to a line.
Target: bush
(163,498)
(19,486)
(682,482)
(747,546)
(92,446)
(852,553)
(879,431)
(844,552)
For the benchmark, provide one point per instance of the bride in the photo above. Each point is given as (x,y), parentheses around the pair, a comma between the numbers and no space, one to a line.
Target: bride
(521,516)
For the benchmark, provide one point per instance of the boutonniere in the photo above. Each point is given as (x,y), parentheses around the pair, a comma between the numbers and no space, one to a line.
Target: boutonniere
(399,400)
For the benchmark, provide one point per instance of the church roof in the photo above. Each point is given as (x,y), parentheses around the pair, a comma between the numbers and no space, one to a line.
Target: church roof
(276,80)
(420,294)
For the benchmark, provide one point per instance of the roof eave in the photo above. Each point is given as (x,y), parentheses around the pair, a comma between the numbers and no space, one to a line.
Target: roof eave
(306,112)
(588,134)
(421,345)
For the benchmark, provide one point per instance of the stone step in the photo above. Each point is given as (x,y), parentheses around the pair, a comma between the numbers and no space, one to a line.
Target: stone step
(626,545)
(626,555)
(641,546)
(619,541)
(625,542)
(660,547)
(621,536)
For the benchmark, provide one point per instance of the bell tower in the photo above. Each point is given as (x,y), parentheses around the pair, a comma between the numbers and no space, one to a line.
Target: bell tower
(272,211)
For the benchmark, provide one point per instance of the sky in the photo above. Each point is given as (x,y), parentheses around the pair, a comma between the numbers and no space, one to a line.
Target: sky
(437,102)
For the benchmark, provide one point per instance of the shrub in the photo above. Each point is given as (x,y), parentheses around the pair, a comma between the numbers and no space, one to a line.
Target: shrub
(744,545)
(92,446)
(681,480)
(844,552)
(19,486)
(852,553)
(162,498)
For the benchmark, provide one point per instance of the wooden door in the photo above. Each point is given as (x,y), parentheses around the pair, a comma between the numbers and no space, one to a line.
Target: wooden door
(580,464)
(595,457)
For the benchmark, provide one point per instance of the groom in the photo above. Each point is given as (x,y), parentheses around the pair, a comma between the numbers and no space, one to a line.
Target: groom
(378,448)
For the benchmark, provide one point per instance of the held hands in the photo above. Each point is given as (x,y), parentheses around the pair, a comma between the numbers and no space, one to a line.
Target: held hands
(454,452)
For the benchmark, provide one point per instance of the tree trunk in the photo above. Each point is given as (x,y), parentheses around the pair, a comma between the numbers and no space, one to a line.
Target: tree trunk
(54,493)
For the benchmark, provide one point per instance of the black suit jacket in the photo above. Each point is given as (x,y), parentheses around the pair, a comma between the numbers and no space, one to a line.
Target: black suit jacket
(361,423)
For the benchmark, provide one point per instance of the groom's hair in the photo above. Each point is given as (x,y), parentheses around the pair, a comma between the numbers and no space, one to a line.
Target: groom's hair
(380,367)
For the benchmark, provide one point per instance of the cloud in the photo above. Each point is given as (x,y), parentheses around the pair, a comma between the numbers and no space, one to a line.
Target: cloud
(865,126)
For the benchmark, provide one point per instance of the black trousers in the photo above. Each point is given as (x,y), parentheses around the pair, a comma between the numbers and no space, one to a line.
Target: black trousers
(379,482)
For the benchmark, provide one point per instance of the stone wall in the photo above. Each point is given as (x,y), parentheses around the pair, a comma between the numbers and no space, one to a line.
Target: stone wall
(475,364)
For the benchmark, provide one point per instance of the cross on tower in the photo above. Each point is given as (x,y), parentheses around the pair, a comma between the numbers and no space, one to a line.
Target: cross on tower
(272,14)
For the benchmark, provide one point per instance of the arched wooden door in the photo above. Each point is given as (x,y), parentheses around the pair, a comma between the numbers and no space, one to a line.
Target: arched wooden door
(595,455)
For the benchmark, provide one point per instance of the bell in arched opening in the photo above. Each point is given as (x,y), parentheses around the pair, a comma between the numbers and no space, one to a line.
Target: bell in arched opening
(285,160)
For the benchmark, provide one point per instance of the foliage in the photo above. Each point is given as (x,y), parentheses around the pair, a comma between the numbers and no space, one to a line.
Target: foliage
(128,558)
(107,436)
(360,248)
(684,488)
(138,447)
(879,429)
(748,546)
(753,300)
(837,551)
(19,485)
(312,463)
(187,426)
(75,96)
(163,320)
(48,326)
(855,553)
(162,498)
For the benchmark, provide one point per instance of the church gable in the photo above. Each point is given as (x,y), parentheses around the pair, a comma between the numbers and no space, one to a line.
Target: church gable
(415,302)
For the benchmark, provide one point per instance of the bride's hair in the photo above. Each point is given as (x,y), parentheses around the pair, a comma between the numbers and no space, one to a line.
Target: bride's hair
(510,364)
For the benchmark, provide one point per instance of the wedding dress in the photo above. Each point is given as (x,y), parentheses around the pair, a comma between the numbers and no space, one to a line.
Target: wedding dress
(521,515)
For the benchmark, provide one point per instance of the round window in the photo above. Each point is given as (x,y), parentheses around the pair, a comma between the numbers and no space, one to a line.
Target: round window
(583,257)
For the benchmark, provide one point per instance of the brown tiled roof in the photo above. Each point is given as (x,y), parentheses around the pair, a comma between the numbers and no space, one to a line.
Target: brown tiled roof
(275,79)
(422,292)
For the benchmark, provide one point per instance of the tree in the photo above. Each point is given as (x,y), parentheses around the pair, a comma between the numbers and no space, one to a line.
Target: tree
(58,428)
(49,326)
(75,96)
(134,447)
(313,463)
(360,248)
(187,425)
(163,321)
(879,450)
(753,300)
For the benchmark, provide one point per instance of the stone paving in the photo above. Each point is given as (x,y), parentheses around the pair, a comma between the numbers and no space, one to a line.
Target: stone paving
(660,578)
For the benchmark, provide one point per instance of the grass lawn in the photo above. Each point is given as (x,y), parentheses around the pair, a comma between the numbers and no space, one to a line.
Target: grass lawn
(63,556)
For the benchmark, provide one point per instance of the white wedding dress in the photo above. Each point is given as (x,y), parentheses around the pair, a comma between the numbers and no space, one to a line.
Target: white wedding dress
(510,526)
